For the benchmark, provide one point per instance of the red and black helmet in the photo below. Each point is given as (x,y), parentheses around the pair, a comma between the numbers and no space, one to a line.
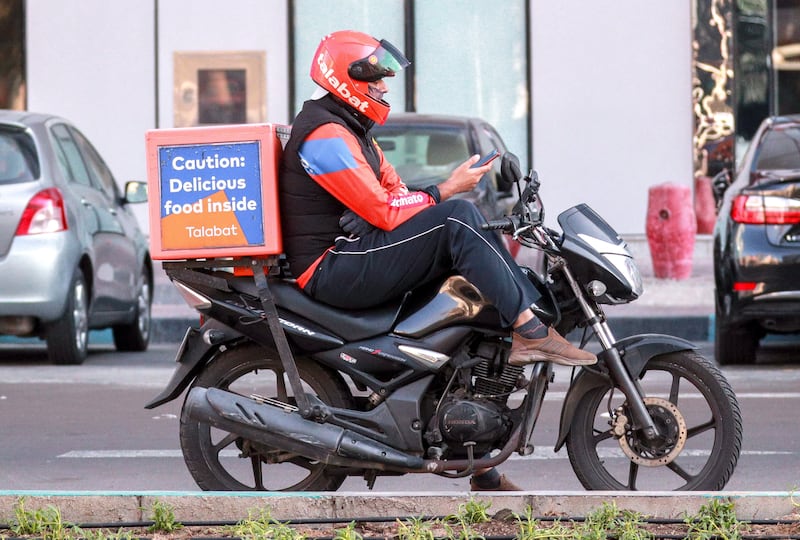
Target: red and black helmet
(347,61)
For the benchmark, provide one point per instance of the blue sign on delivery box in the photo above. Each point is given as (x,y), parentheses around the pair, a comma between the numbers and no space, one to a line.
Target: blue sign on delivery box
(213,191)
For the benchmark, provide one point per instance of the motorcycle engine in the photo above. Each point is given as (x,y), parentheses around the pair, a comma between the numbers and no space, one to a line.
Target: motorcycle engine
(475,420)
(475,415)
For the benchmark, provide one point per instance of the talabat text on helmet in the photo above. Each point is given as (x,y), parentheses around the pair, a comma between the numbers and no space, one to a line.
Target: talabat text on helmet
(341,88)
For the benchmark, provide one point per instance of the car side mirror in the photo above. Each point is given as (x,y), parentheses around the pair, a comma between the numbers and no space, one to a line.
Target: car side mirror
(135,192)
(509,172)
(719,184)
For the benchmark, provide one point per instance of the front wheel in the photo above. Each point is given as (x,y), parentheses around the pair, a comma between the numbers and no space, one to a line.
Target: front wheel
(222,461)
(699,424)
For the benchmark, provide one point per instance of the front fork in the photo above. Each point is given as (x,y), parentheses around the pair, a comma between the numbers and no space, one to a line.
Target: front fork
(619,374)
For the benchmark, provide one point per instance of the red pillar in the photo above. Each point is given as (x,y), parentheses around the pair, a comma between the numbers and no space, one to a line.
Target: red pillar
(704,206)
(671,230)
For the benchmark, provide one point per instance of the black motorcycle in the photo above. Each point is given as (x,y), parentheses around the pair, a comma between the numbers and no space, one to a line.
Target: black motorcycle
(289,394)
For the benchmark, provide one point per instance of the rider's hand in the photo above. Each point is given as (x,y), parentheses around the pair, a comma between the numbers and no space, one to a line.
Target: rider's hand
(463,178)
(355,225)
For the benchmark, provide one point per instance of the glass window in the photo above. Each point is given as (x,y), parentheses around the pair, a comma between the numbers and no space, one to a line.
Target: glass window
(786,56)
(18,161)
(423,155)
(313,19)
(780,150)
(489,138)
(475,65)
(98,169)
(752,47)
(222,96)
(69,157)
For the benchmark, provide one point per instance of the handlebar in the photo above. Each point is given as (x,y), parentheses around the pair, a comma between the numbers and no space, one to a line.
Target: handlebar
(499,224)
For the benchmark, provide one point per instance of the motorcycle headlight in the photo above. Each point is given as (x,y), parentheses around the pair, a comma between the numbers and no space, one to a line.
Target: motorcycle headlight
(628,270)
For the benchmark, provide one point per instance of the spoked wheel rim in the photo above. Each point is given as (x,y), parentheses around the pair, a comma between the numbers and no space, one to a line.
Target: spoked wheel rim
(699,454)
(219,460)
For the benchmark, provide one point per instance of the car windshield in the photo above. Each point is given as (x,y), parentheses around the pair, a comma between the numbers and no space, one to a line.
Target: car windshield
(18,161)
(779,150)
(423,155)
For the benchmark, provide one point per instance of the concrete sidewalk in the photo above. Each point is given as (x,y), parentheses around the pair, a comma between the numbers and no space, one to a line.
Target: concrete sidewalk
(682,308)
(117,507)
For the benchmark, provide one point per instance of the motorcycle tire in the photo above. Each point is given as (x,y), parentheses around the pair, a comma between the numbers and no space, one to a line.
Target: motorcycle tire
(700,439)
(222,461)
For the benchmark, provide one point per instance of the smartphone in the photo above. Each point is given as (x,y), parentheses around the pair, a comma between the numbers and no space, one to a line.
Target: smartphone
(488,158)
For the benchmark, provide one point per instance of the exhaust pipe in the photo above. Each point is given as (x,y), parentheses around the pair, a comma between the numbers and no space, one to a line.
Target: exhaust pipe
(289,431)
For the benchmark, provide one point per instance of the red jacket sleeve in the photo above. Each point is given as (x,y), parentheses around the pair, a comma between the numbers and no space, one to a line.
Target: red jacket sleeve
(333,158)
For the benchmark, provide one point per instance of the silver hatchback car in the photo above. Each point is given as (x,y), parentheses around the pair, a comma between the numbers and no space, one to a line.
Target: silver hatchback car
(72,255)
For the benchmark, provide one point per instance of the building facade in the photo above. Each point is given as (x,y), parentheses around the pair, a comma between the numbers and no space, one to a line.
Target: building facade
(596,95)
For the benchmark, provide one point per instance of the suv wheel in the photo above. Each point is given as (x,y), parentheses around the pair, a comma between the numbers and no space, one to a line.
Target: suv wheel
(734,344)
(68,337)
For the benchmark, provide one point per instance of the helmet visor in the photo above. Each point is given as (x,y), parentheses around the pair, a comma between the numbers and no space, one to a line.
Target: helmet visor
(384,61)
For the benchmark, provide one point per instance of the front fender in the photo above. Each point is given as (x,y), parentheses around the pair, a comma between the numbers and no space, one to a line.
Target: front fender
(635,352)
(193,353)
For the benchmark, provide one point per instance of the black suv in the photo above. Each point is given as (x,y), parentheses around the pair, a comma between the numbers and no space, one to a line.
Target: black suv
(757,243)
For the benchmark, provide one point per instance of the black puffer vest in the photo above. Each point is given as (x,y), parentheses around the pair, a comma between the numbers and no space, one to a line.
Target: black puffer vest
(309,214)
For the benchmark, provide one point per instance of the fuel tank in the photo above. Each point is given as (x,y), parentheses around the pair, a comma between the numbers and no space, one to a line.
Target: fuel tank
(459,302)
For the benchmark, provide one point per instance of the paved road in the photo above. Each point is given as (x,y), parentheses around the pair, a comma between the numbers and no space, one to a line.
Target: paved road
(71,428)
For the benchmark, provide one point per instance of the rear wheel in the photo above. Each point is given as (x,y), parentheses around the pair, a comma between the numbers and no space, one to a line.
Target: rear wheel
(223,461)
(699,424)
(68,337)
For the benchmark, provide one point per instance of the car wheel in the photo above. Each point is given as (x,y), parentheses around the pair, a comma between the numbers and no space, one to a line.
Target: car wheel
(68,337)
(734,344)
(135,336)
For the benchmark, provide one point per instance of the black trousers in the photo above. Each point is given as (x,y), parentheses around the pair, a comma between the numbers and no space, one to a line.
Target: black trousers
(441,240)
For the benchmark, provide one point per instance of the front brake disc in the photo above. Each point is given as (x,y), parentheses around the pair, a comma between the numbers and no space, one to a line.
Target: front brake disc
(672,435)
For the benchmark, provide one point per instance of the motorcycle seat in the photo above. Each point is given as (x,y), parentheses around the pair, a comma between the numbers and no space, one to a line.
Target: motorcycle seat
(349,324)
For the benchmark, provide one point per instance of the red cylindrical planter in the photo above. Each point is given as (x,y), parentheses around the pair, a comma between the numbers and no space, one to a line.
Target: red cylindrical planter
(671,229)
(704,206)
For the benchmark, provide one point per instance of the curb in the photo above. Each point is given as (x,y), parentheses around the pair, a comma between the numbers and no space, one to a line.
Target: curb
(94,507)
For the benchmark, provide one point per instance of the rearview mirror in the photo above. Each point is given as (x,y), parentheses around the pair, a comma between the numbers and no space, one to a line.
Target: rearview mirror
(135,192)
(509,172)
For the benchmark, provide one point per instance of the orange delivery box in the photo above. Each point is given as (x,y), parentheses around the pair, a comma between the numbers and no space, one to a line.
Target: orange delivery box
(213,191)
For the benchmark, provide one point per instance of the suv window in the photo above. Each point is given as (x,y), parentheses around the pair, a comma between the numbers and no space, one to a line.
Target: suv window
(780,149)
(423,155)
(490,139)
(18,158)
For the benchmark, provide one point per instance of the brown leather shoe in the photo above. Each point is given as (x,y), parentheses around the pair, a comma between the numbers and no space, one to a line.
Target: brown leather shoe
(504,485)
(551,348)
